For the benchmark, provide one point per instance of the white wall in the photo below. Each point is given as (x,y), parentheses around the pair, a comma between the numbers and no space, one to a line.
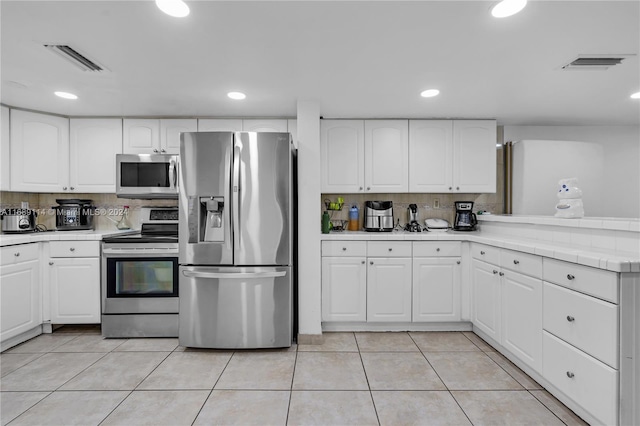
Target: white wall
(309,287)
(621,197)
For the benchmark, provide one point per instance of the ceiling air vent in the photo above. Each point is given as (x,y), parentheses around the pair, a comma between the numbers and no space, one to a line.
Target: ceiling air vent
(595,62)
(75,57)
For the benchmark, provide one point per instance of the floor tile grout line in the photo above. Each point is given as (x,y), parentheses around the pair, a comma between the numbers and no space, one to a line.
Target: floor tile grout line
(212,388)
(12,371)
(30,407)
(545,406)
(429,362)
(115,408)
(293,376)
(462,409)
(373,401)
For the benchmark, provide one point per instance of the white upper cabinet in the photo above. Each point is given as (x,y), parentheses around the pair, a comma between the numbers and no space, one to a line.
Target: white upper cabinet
(430,155)
(474,156)
(269,125)
(386,147)
(170,130)
(5,156)
(93,145)
(39,152)
(219,124)
(342,156)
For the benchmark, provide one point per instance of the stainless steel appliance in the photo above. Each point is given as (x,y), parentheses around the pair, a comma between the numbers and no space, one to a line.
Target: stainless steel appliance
(74,214)
(140,278)
(413,225)
(378,216)
(465,218)
(146,176)
(15,221)
(236,240)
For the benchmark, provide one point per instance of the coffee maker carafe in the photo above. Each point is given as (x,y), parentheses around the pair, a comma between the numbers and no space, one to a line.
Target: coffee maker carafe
(465,218)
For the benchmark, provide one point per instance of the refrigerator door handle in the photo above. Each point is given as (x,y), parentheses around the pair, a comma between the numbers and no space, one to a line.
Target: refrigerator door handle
(236,275)
(236,196)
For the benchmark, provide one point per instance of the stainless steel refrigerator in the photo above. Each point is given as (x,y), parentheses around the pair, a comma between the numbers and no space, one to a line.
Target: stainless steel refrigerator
(236,240)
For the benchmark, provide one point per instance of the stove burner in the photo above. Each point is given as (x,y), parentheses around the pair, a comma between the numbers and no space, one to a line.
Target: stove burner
(414,226)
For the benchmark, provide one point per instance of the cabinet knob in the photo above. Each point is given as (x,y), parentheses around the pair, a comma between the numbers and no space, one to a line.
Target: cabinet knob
(155,150)
(570,318)
(501,274)
(163,150)
(344,249)
(438,249)
(50,263)
(457,188)
(390,249)
(495,272)
(371,263)
(458,262)
(482,253)
(570,277)
(361,189)
(64,188)
(515,262)
(363,262)
(450,188)
(570,374)
(72,249)
(72,188)
(16,254)
(368,188)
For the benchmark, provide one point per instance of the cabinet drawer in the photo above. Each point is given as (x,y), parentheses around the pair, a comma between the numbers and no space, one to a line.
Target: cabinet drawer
(389,249)
(487,254)
(344,248)
(525,263)
(74,248)
(588,323)
(437,249)
(10,255)
(596,282)
(590,383)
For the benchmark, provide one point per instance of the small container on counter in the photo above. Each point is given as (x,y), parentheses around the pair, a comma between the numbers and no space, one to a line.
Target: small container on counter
(354,218)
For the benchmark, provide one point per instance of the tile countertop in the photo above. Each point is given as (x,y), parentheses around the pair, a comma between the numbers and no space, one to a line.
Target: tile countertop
(607,223)
(602,259)
(33,237)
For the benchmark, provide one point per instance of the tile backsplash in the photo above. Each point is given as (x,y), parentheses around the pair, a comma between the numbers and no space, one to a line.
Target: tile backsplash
(104,203)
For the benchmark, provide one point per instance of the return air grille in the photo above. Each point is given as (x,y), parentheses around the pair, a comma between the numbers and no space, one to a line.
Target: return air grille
(75,57)
(595,62)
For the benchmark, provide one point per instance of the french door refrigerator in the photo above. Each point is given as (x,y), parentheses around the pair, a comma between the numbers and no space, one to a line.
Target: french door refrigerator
(236,240)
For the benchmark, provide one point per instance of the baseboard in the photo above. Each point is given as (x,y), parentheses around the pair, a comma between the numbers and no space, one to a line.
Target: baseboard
(396,326)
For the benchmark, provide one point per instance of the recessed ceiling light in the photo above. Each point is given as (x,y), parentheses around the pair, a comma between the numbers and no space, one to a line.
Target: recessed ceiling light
(65,95)
(635,95)
(430,93)
(175,8)
(507,8)
(236,95)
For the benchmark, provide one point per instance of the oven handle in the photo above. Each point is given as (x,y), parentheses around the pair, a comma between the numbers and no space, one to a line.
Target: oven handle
(232,275)
(140,252)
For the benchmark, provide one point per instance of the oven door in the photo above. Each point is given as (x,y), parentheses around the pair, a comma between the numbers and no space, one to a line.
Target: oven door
(146,176)
(139,281)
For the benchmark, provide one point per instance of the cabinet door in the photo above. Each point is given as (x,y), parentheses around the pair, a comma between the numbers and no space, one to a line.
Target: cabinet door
(344,289)
(486,298)
(522,317)
(39,152)
(5,153)
(436,289)
(219,125)
(278,125)
(474,156)
(389,289)
(342,156)
(430,156)
(93,146)
(75,290)
(20,298)
(386,147)
(170,130)
(140,136)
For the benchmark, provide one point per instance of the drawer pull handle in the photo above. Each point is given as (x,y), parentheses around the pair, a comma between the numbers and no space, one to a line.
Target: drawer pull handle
(438,249)
(495,272)
(570,277)
(570,318)
(501,274)
(482,253)
(570,374)
(16,254)
(390,249)
(72,249)
(515,262)
(344,249)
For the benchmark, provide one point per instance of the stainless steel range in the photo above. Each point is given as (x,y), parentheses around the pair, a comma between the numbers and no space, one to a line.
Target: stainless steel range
(140,278)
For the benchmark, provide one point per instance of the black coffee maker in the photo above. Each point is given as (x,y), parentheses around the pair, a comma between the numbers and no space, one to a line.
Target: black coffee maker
(465,218)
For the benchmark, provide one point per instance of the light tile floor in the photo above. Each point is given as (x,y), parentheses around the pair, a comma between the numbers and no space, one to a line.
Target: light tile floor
(73,376)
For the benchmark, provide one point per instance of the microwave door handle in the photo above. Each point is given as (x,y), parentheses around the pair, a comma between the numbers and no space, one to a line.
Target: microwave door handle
(173,171)
(233,275)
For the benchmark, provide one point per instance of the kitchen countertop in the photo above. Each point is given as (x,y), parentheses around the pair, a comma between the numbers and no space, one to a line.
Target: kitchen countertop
(615,261)
(87,235)
(607,223)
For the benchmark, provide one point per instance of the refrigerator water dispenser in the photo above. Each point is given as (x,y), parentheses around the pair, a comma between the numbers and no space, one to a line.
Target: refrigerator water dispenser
(212,227)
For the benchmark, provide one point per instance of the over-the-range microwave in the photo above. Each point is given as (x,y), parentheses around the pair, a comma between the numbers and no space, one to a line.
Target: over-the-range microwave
(146,176)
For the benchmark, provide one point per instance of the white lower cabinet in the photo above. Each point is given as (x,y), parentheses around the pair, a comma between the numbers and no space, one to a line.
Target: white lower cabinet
(522,317)
(389,289)
(344,289)
(20,290)
(74,279)
(486,314)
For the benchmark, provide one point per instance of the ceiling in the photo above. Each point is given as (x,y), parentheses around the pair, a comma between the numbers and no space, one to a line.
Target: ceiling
(357,59)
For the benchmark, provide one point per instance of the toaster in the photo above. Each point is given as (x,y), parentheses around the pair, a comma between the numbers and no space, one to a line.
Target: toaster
(378,216)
